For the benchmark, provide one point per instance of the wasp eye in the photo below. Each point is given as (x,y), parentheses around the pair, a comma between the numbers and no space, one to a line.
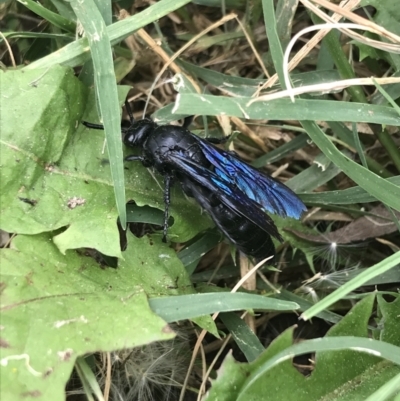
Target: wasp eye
(129,139)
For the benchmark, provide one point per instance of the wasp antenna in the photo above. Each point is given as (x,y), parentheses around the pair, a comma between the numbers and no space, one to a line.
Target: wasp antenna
(93,126)
(129,111)
(187,121)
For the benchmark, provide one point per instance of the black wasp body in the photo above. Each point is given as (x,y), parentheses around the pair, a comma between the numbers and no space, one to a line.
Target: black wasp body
(233,193)
(161,146)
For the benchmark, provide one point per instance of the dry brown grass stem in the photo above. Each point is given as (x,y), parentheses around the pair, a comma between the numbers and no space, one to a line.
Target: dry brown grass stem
(9,50)
(169,63)
(256,54)
(306,49)
(245,129)
(156,48)
(340,12)
(170,60)
(365,24)
(344,12)
(325,87)
(107,384)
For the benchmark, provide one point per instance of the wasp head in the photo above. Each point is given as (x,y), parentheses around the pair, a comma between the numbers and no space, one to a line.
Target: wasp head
(137,133)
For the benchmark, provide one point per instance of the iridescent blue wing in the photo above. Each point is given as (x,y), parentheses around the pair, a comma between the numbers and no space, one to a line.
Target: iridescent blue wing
(270,194)
(230,196)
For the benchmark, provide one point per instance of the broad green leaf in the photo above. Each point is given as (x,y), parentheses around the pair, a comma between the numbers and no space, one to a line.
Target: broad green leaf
(360,373)
(64,172)
(144,214)
(390,322)
(388,16)
(56,308)
(38,136)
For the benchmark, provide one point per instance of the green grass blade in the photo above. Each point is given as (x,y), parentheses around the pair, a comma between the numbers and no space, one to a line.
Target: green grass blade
(306,304)
(344,197)
(246,340)
(38,35)
(107,95)
(182,307)
(284,109)
(314,176)
(381,189)
(48,15)
(279,153)
(77,52)
(389,389)
(275,47)
(345,135)
(88,378)
(378,187)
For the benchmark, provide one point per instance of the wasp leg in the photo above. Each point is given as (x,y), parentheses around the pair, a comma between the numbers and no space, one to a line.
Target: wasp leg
(218,141)
(167,201)
(134,158)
